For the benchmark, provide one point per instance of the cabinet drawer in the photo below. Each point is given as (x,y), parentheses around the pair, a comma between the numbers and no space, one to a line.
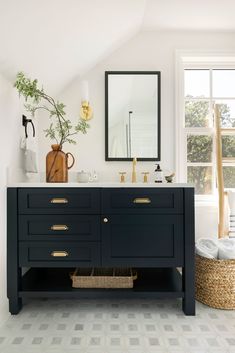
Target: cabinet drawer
(59,201)
(59,227)
(143,240)
(142,200)
(59,254)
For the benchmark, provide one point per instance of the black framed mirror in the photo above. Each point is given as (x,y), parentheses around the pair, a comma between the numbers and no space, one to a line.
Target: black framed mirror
(132,115)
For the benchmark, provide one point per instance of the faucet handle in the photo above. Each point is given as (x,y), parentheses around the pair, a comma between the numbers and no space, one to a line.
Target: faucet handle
(122,178)
(145,177)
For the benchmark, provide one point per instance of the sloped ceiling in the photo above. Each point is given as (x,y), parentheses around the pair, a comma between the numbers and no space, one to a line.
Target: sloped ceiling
(57,40)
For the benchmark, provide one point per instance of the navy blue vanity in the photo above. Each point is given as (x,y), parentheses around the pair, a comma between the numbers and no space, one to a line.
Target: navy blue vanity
(52,229)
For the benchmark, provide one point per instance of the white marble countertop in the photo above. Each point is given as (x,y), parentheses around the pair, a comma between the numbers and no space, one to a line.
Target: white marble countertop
(98,185)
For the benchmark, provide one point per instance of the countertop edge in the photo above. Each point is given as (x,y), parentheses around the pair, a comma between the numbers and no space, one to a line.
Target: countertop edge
(99,185)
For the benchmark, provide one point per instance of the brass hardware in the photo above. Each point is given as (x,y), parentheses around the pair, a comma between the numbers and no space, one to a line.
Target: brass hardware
(142,200)
(59,227)
(59,253)
(134,162)
(145,176)
(86,112)
(122,178)
(105,220)
(59,200)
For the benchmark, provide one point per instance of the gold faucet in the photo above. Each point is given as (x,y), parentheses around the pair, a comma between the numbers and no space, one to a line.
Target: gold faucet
(145,176)
(133,179)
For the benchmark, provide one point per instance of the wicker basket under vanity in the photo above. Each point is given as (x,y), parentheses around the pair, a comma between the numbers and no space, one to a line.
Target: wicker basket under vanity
(103,278)
(215,282)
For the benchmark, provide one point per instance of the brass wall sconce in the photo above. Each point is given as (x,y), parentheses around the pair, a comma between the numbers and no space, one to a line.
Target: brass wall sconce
(86,112)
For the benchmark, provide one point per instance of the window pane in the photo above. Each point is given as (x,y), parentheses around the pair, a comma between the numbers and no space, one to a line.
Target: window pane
(201,177)
(197,114)
(199,148)
(196,83)
(229,177)
(227,111)
(223,83)
(228,146)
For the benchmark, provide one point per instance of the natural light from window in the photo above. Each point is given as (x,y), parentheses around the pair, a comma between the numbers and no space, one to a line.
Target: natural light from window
(202,89)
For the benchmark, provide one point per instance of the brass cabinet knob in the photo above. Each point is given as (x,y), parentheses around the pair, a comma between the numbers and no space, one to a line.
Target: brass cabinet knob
(105,220)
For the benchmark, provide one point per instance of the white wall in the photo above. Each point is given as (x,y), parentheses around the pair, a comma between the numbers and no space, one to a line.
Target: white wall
(10,156)
(147,51)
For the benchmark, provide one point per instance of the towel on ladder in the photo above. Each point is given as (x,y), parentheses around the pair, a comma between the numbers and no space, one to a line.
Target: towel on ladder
(231,201)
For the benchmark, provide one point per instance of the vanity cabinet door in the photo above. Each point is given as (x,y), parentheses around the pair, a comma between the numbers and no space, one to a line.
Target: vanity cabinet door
(142,240)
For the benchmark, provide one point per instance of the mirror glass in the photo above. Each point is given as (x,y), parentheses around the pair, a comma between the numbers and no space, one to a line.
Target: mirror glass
(132,115)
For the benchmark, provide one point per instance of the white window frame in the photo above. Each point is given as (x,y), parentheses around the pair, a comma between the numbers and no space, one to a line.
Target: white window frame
(196,60)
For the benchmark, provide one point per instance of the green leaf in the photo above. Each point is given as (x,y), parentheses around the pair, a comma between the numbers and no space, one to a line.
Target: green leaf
(60,129)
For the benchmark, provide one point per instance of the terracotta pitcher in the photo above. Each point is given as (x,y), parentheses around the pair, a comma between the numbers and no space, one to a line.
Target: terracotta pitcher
(57,165)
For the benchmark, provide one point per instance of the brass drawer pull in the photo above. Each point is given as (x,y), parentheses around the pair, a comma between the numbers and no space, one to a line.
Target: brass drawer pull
(142,200)
(59,253)
(59,227)
(59,200)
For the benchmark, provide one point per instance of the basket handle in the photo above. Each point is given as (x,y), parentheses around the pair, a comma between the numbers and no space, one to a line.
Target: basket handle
(134,275)
(71,274)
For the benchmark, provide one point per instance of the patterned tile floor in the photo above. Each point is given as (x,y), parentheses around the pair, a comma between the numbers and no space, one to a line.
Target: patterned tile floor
(104,326)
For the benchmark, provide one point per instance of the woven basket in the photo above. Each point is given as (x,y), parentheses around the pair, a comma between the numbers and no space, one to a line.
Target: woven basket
(103,278)
(215,282)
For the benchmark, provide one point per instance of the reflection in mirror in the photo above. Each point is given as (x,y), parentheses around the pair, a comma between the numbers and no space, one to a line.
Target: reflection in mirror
(132,115)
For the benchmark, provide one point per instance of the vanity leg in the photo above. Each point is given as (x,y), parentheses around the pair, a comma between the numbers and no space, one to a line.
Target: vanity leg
(15,305)
(14,275)
(188,303)
(188,271)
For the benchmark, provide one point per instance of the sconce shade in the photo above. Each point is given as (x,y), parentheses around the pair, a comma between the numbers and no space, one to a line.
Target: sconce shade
(86,112)
(84,91)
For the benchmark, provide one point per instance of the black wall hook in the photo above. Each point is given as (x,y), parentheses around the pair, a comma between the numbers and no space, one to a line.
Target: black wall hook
(25,122)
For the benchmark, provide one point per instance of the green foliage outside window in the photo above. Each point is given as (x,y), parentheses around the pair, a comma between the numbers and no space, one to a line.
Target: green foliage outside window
(199,147)
(196,113)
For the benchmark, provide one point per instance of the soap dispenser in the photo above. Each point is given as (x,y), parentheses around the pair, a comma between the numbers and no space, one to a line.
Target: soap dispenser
(159,174)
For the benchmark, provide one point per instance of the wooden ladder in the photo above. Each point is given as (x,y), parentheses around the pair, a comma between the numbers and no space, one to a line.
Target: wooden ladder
(219,132)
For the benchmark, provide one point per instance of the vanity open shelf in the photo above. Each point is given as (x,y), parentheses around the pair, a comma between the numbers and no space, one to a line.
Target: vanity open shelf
(54,229)
(55,282)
